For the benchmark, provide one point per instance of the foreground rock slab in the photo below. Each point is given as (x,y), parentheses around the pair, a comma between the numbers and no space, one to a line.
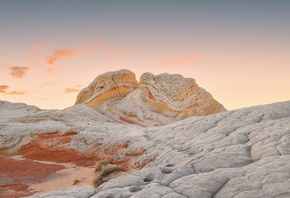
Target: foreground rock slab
(241,153)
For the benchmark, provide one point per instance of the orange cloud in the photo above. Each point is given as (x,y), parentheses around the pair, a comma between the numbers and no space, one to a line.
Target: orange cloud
(73,89)
(40,46)
(6,56)
(115,51)
(18,72)
(181,61)
(3,89)
(58,54)
(15,92)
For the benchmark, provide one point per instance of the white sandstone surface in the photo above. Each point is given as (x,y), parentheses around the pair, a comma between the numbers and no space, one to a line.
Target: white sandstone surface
(240,153)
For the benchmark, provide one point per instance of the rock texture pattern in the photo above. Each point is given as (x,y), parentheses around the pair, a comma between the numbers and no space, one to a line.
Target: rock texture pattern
(51,153)
(155,100)
(241,153)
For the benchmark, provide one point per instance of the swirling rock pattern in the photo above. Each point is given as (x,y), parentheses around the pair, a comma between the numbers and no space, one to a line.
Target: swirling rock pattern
(155,100)
(241,153)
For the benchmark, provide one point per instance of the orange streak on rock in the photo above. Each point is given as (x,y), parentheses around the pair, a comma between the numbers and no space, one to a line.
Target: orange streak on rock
(136,153)
(140,165)
(127,120)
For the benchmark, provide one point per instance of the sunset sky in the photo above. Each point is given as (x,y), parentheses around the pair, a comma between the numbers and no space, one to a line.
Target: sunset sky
(239,51)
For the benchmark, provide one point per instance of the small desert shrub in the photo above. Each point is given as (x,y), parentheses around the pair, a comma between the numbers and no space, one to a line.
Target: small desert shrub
(100,164)
(104,171)
(75,180)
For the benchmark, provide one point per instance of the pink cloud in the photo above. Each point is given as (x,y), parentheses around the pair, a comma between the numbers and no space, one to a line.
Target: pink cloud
(92,48)
(47,84)
(40,46)
(6,56)
(18,72)
(53,70)
(181,60)
(58,54)
(3,66)
(115,51)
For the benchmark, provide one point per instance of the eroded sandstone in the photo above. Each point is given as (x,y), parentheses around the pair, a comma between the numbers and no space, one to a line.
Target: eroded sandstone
(241,153)
(155,100)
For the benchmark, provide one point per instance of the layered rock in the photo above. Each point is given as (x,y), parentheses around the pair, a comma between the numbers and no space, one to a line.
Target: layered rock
(155,100)
(241,153)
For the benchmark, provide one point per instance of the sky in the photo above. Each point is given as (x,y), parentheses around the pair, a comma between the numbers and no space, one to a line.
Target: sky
(239,51)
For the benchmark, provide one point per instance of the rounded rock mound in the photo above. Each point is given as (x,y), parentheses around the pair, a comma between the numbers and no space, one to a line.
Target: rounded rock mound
(155,100)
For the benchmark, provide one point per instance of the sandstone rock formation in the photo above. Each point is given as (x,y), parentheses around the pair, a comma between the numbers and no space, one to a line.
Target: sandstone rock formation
(241,153)
(155,100)
(51,153)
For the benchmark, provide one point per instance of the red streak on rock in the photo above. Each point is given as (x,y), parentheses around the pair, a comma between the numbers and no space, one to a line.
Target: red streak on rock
(15,173)
(55,147)
(14,190)
(150,96)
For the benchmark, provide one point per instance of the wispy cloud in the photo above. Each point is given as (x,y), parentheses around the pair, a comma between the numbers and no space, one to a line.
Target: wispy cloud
(6,56)
(115,51)
(181,60)
(91,49)
(39,46)
(3,89)
(53,70)
(58,54)
(77,88)
(47,84)
(18,72)
(15,92)
(3,66)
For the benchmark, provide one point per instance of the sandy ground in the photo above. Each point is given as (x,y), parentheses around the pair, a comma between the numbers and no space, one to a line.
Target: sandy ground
(71,175)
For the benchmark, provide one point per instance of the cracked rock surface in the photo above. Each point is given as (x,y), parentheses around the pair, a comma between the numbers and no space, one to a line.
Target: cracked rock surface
(240,153)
